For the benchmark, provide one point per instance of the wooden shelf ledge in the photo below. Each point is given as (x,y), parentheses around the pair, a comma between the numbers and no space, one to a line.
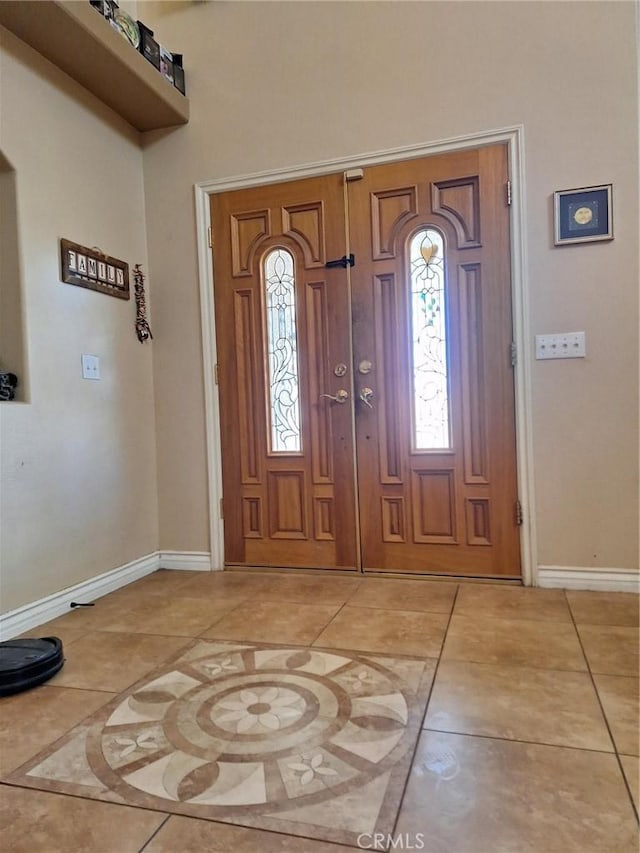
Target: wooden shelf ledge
(76,38)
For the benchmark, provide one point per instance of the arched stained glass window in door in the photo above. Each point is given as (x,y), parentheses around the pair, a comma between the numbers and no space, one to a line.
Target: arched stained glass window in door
(429,376)
(282,352)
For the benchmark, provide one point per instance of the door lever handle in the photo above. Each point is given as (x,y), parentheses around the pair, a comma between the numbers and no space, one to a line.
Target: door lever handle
(341,396)
(366,395)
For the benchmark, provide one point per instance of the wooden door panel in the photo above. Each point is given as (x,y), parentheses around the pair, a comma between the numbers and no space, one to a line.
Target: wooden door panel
(318,337)
(247,230)
(458,201)
(281,508)
(434,507)
(388,313)
(449,510)
(474,427)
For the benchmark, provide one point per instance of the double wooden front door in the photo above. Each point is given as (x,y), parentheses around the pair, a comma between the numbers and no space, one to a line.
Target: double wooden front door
(367,411)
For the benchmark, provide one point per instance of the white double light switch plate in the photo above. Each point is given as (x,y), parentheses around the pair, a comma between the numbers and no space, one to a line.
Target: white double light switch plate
(90,367)
(562,345)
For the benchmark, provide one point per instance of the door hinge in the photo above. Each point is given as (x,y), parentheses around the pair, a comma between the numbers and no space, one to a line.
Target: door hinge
(221,507)
(513,353)
(345,261)
(508,188)
(209,237)
(215,373)
(519,515)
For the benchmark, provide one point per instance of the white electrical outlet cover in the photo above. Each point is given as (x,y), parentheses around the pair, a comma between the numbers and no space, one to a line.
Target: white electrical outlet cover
(562,345)
(90,367)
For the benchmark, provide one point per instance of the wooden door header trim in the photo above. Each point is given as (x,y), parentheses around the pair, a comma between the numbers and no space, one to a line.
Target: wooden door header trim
(513,136)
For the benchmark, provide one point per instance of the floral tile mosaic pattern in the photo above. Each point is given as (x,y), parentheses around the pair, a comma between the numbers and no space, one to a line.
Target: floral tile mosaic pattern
(304,741)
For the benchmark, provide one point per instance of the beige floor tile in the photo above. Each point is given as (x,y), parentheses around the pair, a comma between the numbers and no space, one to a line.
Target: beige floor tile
(274,622)
(479,795)
(172,615)
(32,720)
(604,608)
(85,619)
(611,650)
(163,582)
(109,661)
(134,596)
(310,589)
(506,602)
(67,635)
(230,584)
(165,579)
(516,642)
(390,594)
(631,767)
(518,703)
(619,697)
(189,835)
(389,631)
(39,822)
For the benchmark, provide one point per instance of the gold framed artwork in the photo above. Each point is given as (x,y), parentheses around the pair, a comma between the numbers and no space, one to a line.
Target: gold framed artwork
(94,270)
(583,215)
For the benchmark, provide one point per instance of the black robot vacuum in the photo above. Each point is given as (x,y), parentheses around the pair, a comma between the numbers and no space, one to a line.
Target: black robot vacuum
(27,663)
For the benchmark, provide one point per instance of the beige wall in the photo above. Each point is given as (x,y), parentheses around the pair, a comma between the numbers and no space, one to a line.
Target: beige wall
(78,478)
(274,85)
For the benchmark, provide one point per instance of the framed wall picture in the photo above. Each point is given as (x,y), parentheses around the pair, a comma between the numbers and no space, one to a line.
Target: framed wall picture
(583,215)
(94,270)
(166,64)
(149,47)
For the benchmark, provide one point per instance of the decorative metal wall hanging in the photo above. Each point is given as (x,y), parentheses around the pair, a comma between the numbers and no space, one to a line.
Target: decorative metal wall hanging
(143,330)
(92,269)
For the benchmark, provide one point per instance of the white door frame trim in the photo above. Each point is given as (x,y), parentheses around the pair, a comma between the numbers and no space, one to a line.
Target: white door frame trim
(514,137)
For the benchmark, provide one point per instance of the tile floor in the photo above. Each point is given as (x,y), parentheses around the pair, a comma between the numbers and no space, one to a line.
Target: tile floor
(245,713)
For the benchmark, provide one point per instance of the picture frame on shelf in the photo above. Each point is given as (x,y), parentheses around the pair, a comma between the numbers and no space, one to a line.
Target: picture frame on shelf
(148,46)
(166,64)
(178,79)
(583,215)
(127,27)
(107,8)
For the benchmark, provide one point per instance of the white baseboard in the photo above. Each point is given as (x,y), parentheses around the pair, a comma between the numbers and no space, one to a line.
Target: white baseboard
(44,609)
(582,577)
(191,561)
(38,612)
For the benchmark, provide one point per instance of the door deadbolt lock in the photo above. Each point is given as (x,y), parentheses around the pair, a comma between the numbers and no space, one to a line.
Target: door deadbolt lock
(340,369)
(365,367)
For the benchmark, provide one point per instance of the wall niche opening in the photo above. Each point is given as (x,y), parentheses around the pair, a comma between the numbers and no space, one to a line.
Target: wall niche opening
(13,353)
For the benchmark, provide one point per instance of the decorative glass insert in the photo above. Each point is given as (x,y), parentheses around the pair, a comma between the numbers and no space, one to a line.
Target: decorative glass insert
(429,342)
(284,383)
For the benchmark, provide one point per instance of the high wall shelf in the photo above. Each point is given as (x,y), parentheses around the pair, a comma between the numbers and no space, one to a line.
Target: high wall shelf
(76,38)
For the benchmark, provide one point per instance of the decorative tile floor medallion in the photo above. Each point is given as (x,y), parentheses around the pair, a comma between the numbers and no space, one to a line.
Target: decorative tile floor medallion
(303,741)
